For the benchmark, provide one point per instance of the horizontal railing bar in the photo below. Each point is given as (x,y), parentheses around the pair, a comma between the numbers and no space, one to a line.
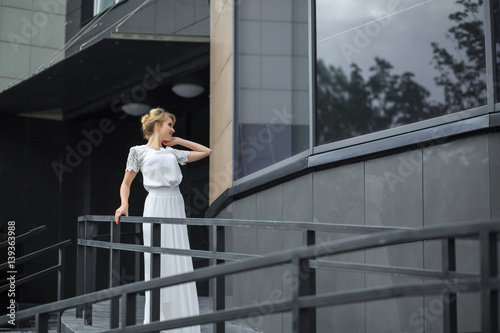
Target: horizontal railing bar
(165,250)
(379,293)
(451,230)
(27,235)
(357,267)
(107,236)
(336,247)
(31,277)
(143,248)
(37,253)
(288,225)
(390,270)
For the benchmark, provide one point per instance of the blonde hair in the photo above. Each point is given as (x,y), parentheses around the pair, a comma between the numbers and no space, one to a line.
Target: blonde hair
(154,116)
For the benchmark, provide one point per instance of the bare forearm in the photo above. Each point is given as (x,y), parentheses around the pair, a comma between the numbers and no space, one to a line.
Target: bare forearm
(124,194)
(193,146)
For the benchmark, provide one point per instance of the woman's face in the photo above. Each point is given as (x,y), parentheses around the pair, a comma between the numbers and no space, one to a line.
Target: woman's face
(166,129)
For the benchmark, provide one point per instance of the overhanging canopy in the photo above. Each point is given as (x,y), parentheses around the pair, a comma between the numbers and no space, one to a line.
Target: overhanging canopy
(108,71)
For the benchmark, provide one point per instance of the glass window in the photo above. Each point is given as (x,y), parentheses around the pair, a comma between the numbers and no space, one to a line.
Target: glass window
(496,49)
(386,63)
(102,5)
(272,111)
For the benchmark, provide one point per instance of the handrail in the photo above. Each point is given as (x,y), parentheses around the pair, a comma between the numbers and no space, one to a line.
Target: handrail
(38,253)
(288,225)
(87,244)
(487,282)
(27,235)
(25,278)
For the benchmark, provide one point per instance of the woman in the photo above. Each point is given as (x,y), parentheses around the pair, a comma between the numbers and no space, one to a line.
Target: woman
(162,176)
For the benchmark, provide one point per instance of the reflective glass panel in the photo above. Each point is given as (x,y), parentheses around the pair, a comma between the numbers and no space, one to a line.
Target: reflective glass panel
(272,110)
(387,63)
(101,5)
(496,25)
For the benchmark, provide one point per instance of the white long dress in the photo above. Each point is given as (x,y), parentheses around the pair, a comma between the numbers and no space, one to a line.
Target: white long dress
(162,176)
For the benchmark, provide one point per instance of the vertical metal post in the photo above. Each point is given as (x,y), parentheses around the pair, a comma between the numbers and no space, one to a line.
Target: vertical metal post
(60,283)
(89,270)
(220,303)
(128,310)
(212,247)
(155,271)
(80,266)
(217,284)
(307,287)
(489,292)
(137,270)
(114,274)
(42,322)
(295,295)
(450,324)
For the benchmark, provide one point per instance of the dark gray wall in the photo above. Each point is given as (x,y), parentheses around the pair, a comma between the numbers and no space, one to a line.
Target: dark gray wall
(450,181)
(32,194)
(27,148)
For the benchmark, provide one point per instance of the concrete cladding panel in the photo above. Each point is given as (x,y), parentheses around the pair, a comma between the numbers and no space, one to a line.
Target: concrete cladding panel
(456,181)
(338,197)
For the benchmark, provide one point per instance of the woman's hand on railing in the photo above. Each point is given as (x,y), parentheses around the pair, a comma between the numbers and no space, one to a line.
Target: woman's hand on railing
(122,210)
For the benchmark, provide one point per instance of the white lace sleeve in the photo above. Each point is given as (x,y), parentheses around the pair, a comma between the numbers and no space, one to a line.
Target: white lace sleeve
(133,161)
(181,155)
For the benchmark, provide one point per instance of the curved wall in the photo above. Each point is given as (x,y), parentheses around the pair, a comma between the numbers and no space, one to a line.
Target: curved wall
(450,180)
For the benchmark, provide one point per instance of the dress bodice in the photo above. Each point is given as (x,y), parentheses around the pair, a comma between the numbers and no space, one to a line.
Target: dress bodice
(160,168)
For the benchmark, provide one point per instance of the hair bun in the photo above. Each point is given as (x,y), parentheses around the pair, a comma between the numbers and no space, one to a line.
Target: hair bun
(145,118)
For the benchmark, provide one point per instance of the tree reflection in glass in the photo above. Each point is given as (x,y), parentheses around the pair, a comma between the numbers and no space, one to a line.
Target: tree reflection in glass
(350,105)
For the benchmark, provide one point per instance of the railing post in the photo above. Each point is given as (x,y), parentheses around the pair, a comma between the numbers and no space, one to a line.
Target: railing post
(80,266)
(42,322)
(450,324)
(89,270)
(155,271)
(489,269)
(218,284)
(221,281)
(60,283)
(114,274)
(128,310)
(137,255)
(295,295)
(306,320)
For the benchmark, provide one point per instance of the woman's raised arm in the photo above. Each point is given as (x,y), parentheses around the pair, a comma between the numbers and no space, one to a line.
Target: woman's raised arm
(197,151)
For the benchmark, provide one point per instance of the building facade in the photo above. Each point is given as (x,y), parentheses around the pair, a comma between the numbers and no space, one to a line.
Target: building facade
(377,113)
(381,113)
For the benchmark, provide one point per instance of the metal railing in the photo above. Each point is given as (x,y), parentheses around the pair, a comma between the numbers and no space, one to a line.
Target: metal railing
(26,278)
(304,300)
(88,243)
